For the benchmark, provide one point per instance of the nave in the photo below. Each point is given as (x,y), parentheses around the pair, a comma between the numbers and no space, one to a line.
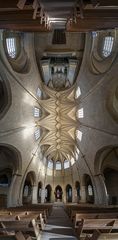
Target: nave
(58,120)
(59,221)
(59,226)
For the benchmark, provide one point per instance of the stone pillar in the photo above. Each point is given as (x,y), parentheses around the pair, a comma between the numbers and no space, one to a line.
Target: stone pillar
(64,196)
(83,194)
(13,198)
(43,195)
(52,195)
(34,194)
(101,196)
(74,195)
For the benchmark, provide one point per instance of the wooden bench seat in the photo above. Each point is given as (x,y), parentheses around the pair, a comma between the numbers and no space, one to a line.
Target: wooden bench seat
(78,217)
(31,228)
(102,226)
(23,215)
(95,228)
(99,224)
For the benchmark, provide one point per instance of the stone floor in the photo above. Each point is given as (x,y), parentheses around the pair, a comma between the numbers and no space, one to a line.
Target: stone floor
(59,226)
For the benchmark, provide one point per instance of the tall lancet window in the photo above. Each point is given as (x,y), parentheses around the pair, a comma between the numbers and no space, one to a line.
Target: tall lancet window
(50,164)
(11,47)
(107,46)
(58,165)
(66,164)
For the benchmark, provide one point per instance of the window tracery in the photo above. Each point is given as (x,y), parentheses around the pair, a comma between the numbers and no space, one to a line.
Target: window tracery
(50,164)
(107,46)
(11,47)
(66,164)
(58,165)
(37,133)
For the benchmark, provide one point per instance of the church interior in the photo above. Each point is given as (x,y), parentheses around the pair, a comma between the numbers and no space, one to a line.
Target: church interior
(58,119)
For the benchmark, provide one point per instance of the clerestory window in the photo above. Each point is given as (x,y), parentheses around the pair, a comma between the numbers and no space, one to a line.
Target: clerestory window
(11,47)
(107,46)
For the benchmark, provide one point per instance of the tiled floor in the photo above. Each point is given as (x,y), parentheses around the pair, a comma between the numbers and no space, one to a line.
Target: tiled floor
(59,226)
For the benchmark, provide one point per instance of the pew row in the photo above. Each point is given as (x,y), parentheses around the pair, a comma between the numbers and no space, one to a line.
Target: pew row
(96,228)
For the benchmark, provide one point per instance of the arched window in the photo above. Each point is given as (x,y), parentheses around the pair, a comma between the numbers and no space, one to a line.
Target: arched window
(72,161)
(16,51)
(26,191)
(90,190)
(107,46)
(80,113)
(50,164)
(38,92)
(68,193)
(37,133)
(94,34)
(58,165)
(39,192)
(66,164)
(36,112)
(79,135)
(77,150)
(11,47)
(78,92)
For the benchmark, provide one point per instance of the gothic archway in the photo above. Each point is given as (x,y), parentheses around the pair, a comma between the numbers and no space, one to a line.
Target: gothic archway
(88,189)
(106,170)
(28,187)
(58,193)
(48,193)
(39,192)
(10,171)
(111,178)
(77,187)
(68,193)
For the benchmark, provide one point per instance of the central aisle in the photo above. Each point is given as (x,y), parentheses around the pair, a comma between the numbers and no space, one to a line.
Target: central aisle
(59,226)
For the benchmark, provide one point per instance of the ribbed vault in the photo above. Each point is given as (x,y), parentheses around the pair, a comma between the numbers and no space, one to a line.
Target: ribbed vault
(59,119)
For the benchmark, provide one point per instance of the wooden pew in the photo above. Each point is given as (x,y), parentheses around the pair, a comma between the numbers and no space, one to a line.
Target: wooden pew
(96,228)
(94,215)
(104,225)
(79,228)
(41,221)
(25,219)
(78,217)
(36,228)
(26,227)
(23,215)
(4,231)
